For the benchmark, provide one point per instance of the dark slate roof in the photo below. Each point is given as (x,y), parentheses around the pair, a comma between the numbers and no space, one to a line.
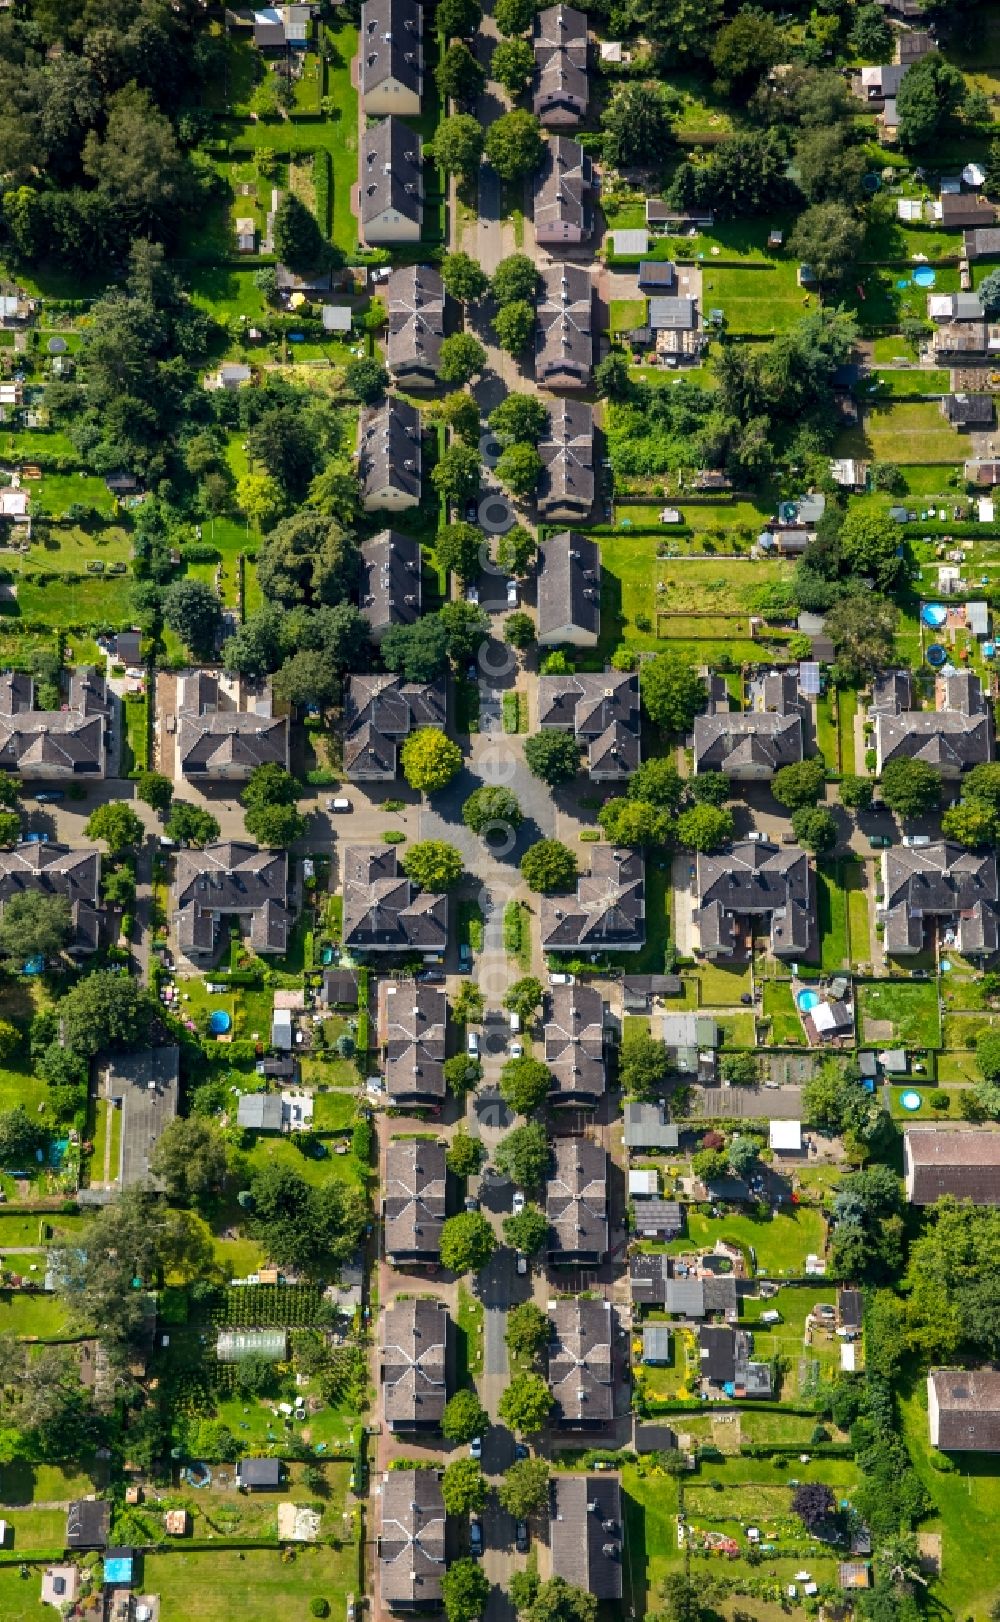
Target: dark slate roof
(379,712)
(390,44)
(340,987)
(754,877)
(648,1273)
(415,1177)
(231,877)
(673,314)
(53,869)
(88,1522)
(561,189)
(415,298)
(957,734)
(411,1544)
(390,173)
(963,1161)
(850,1308)
(966,209)
(608,911)
(663,1219)
(560,41)
(657,275)
(414,1350)
(564,340)
(383,910)
(412,1021)
(969,410)
(214,742)
(65,742)
(968,1404)
(260,1472)
(718,1354)
(390,579)
(942,879)
(389,451)
(577,1200)
(740,740)
(585,1533)
(569,586)
(580,1362)
(603,711)
(574,1044)
(566,488)
(982,242)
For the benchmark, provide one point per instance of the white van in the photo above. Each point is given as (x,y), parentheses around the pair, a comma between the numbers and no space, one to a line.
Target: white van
(515,1023)
(472,1044)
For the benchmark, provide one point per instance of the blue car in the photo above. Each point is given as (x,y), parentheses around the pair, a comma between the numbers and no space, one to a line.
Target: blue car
(50,796)
(465,959)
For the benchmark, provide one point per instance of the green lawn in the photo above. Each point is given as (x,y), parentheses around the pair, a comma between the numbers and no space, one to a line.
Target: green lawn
(31,1317)
(781,1241)
(857,912)
(626,313)
(761,299)
(469,1326)
(779,1008)
(88,600)
(847,709)
(334,1111)
(279,1151)
(649,1508)
(968,1511)
(912,383)
(911,1006)
(831,906)
(255,1584)
(905,432)
(722,986)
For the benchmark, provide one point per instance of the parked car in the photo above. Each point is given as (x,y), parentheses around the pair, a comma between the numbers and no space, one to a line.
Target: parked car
(339,804)
(431,977)
(472,671)
(521,1537)
(471,1203)
(879,841)
(464,959)
(471,510)
(515,1023)
(915,841)
(476,1448)
(756,837)
(517,1204)
(522,1263)
(520,1451)
(516,1050)
(50,796)
(562,979)
(472,1044)
(476,1535)
(472,594)
(352,1609)
(512,594)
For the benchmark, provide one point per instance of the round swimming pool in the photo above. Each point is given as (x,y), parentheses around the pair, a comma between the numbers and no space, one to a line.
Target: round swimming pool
(805,1000)
(934,614)
(936,655)
(219,1022)
(924,276)
(910,1100)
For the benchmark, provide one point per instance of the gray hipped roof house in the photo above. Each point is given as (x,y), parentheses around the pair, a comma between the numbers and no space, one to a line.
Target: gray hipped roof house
(217,742)
(562,187)
(411,1540)
(391,57)
(566,488)
(959,888)
(390,184)
(414,1358)
(415,298)
(411,1034)
(230,880)
(963,1410)
(380,711)
(577,1203)
(603,711)
(414,1207)
(564,337)
(574,1045)
(54,744)
(585,1533)
(956,734)
(383,912)
(608,912)
(580,1363)
(569,590)
(751,745)
(561,91)
(391,578)
(754,879)
(389,456)
(52,869)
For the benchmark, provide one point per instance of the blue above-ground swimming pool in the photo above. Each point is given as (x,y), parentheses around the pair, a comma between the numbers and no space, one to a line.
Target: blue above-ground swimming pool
(924,276)
(934,614)
(910,1100)
(219,1022)
(805,1000)
(936,654)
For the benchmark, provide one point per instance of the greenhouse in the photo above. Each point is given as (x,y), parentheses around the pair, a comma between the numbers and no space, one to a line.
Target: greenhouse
(236,1344)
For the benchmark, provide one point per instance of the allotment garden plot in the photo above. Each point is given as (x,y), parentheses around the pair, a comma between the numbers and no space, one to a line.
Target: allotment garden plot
(705,598)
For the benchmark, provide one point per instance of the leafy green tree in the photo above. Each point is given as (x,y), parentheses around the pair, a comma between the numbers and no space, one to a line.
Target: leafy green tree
(430,760)
(515,279)
(709,788)
(457,548)
(869,542)
(106,1010)
(10,789)
(463,1487)
(464,1418)
(611,376)
(524,1487)
(988,1055)
(974,823)
(366,379)
(20,1136)
(512,65)
(309,677)
(555,1601)
(857,793)
(456,476)
(930,95)
(487,807)
(830,166)
(519,629)
(705,828)
(192,610)
(862,629)
(520,466)
(683,29)
(672,691)
(710,1165)
(459,76)
(270,784)
(524,998)
(527,1330)
(983,783)
(463,278)
(523,1155)
(527,1231)
(419,651)
(34,924)
(799,784)
(516,550)
(190,1159)
(911,788)
(514,144)
(298,241)
(460,413)
(549,865)
(275,826)
(458,145)
(743,1153)
(554,757)
(154,789)
(636,125)
(744,51)
(739,1069)
(644,1065)
(461,357)
(525,1084)
(255,647)
(829,238)
(464,1153)
(514,16)
(467,1242)
(10,1040)
(433,865)
(191,825)
(526,1403)
(658,783)
(465,1590)
(513,328)
(458,16)
(871,35)
(462,1073)
(634,822)
(519,419)
(302,1226)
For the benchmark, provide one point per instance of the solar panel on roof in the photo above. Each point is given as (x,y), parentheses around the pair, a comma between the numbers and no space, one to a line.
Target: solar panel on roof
(809,678)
